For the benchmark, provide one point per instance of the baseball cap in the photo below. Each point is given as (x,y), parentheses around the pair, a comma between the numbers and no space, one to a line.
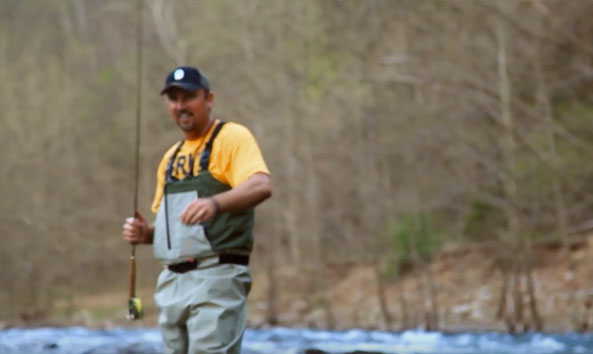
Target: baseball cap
(187,78)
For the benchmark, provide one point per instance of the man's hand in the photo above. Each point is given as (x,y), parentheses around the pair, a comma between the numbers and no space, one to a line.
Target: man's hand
(136,230)
(248,194)
(198,211)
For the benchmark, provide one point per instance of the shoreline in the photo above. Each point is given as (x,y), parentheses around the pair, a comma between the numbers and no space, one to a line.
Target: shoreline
(352,296)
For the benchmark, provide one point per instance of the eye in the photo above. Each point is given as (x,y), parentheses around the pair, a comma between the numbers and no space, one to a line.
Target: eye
(189,96)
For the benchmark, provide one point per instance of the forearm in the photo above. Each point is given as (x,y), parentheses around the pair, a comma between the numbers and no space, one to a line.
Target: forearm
(246,195)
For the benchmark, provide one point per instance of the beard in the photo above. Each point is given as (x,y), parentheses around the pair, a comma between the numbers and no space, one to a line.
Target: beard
(185,121)
(187,126)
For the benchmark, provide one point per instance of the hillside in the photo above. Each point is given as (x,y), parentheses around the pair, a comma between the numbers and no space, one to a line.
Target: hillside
(467,287)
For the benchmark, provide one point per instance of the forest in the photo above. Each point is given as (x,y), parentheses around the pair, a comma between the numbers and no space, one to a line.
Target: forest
(397,132)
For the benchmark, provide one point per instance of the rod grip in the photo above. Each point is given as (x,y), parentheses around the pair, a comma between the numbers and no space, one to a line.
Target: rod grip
(132,276)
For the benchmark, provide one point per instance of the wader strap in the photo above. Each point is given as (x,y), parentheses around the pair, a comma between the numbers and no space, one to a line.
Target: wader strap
(168,175)
(205,159)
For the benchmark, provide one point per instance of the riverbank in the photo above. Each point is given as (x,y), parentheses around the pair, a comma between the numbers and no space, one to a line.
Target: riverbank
(466,284)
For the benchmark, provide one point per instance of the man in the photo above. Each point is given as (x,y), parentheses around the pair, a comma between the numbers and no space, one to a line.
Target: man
(207,187)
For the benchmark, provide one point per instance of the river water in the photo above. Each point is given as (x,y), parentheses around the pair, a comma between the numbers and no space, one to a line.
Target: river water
(80,340)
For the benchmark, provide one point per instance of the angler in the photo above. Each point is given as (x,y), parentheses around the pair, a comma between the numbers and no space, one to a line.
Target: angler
(207,187)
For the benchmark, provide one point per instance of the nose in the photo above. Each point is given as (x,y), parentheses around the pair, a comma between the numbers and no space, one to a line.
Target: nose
(178,104)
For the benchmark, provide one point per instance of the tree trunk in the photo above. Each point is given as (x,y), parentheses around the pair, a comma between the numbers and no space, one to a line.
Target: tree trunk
(509,182)
(387,318)
(535,316)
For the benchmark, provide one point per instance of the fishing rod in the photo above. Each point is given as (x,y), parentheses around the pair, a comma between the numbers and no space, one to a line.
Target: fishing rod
(135,311)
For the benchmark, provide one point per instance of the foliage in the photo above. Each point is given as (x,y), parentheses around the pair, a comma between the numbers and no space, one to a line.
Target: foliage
(412,239)
(484,221)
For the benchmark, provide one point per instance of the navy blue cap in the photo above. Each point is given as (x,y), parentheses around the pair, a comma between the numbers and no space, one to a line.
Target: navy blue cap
(187,78)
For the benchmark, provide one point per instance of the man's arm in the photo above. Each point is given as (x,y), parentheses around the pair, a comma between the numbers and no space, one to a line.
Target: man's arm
(248,194)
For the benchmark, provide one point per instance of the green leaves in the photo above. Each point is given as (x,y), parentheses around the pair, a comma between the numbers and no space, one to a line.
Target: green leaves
(412,239)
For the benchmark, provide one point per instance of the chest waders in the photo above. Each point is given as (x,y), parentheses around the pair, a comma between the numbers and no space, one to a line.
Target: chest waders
(227,235)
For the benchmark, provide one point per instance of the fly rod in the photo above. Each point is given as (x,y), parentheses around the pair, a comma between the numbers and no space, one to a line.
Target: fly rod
(135,304)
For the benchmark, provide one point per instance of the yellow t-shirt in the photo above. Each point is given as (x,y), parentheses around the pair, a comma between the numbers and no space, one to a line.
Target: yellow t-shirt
(235,157)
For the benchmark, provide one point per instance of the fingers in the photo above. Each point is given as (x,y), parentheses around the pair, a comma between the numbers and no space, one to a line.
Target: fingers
(199,210)
(192,214)
(133,230)
(195,217)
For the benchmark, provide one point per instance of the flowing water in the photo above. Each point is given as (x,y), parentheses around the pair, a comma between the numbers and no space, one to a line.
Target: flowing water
(79,340)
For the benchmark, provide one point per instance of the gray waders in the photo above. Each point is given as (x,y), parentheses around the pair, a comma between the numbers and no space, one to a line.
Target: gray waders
(201,293)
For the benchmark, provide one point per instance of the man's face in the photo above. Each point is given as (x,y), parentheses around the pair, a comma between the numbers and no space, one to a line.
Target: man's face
(190,110)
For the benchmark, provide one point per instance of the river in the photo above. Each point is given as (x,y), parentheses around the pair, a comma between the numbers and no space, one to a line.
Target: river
(80,340)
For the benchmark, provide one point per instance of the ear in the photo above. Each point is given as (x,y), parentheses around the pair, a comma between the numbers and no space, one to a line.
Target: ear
(210,98)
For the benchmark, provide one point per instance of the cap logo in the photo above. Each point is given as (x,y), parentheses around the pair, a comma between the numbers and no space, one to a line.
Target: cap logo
(178,74)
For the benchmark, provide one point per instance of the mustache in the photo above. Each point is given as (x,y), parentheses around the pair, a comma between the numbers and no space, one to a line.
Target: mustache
(183,111)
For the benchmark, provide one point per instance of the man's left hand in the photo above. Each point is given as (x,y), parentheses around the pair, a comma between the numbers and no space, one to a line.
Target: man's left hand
(198,211)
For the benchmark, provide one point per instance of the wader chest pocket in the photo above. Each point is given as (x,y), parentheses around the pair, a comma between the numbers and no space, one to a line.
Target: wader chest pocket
(174,240)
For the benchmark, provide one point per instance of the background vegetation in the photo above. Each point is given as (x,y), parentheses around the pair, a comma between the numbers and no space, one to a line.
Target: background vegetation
(392,128)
